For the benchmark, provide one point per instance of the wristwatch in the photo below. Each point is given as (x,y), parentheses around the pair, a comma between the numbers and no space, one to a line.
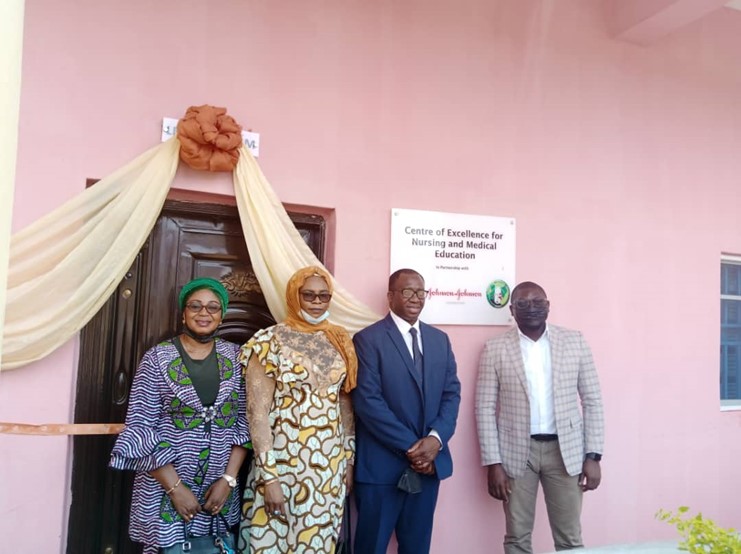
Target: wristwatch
(230,480)
(593,456)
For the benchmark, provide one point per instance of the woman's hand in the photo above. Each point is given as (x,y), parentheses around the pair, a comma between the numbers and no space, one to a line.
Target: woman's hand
(185,503)
(216,496)
(181,497)
(275,502)
(349,479)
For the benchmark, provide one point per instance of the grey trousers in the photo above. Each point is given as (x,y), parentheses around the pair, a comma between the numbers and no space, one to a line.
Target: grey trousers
(563,498)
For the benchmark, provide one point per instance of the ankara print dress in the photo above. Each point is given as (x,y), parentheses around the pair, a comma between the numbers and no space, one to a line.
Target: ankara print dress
(167,424)
(303,434)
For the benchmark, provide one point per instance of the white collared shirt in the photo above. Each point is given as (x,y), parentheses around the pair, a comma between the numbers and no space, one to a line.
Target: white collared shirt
(536,356)
(404,327)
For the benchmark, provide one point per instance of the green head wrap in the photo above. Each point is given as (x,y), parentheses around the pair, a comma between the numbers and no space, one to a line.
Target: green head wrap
(204,283)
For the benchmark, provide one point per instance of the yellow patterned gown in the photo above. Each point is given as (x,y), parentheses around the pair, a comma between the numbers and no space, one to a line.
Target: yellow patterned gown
(303,433)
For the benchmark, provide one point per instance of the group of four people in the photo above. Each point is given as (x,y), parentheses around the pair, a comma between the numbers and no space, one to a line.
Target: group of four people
(329,414)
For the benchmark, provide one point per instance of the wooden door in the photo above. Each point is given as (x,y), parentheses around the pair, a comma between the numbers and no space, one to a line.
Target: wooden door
(190,239)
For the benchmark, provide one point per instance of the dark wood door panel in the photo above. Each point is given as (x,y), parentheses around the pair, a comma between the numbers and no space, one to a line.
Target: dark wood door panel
(104,380)
(190,240)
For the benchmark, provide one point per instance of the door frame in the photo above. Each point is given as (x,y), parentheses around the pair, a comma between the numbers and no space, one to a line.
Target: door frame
(93,485)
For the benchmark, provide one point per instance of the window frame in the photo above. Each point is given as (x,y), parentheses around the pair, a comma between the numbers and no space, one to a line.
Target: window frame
(734,404)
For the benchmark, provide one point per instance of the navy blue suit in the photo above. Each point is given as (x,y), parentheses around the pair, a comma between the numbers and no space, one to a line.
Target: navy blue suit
(394,408)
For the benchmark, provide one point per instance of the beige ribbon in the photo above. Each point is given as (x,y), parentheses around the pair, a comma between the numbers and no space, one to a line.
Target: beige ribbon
(61,428)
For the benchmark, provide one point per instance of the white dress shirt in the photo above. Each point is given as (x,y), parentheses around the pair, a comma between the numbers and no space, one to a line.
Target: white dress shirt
(536,356)
(404,327)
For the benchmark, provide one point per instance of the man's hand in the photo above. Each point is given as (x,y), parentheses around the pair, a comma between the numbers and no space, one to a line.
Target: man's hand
(426,469)
(591,475)
(499,486)
(423,452)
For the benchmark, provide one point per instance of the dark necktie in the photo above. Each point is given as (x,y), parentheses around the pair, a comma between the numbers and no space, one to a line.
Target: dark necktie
(416,352)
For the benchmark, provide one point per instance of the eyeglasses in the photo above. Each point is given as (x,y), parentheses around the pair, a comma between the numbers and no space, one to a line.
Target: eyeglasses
(195,307)
(408,293)
(310,296)
(522,304)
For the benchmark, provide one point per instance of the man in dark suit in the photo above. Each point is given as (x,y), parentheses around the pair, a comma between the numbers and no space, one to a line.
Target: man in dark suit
(406,406)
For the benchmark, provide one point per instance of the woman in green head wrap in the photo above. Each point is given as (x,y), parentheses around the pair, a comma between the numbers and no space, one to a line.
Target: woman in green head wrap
(211,299)
(186,427)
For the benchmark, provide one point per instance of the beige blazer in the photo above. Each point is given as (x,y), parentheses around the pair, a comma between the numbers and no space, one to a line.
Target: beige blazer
(503,407)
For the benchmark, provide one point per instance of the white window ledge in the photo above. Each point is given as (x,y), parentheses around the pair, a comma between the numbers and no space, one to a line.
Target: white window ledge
(730,405)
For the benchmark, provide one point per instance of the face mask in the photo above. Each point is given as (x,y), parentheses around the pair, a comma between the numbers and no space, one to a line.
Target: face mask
(199,338)
(314,320)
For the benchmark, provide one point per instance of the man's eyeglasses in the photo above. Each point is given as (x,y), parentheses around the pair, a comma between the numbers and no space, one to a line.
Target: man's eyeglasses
(522,304)
(408,293)
(310,296)
(195,307)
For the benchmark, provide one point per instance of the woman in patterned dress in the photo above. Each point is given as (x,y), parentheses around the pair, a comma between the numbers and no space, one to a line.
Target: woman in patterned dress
(299,374)
(186,427)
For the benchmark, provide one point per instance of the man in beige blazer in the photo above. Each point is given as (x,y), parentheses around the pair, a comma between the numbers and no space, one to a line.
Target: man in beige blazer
(531,429)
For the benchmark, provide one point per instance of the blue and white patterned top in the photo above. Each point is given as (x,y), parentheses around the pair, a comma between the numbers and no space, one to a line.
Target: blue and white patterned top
(166,423)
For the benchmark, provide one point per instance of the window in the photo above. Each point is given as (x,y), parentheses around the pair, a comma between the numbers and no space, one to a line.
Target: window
(730,332)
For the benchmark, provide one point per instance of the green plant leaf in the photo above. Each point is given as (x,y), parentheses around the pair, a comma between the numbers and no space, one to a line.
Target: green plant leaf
(700,534)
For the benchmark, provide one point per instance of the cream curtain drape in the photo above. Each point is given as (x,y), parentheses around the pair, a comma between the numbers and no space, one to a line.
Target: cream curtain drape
(11,49)
(64,267)
(277,249)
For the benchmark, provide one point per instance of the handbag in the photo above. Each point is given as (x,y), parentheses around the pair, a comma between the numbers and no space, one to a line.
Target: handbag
(344,541)
(213,543)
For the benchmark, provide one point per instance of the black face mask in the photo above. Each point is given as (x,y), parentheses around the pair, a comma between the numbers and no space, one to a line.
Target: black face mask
(199,338)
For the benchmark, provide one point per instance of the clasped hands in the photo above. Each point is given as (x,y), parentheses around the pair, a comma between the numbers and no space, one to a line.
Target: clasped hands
(187,505)
(422,454)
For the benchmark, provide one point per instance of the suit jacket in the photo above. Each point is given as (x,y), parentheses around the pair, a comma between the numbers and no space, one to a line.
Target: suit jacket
(503,407)
(394,407)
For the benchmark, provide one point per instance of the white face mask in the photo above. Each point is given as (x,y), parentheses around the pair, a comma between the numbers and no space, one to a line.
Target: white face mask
(314,320)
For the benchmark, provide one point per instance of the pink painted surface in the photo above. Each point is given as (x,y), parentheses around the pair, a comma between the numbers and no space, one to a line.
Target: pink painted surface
(646,21)
(620,164)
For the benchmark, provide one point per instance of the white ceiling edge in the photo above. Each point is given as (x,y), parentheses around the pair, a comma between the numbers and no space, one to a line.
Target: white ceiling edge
(734,4)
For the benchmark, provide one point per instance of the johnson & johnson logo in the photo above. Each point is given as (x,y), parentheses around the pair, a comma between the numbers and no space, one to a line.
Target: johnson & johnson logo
(457,294)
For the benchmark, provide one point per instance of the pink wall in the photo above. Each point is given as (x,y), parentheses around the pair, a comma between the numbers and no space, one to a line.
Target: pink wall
(619,162)
(646,21)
